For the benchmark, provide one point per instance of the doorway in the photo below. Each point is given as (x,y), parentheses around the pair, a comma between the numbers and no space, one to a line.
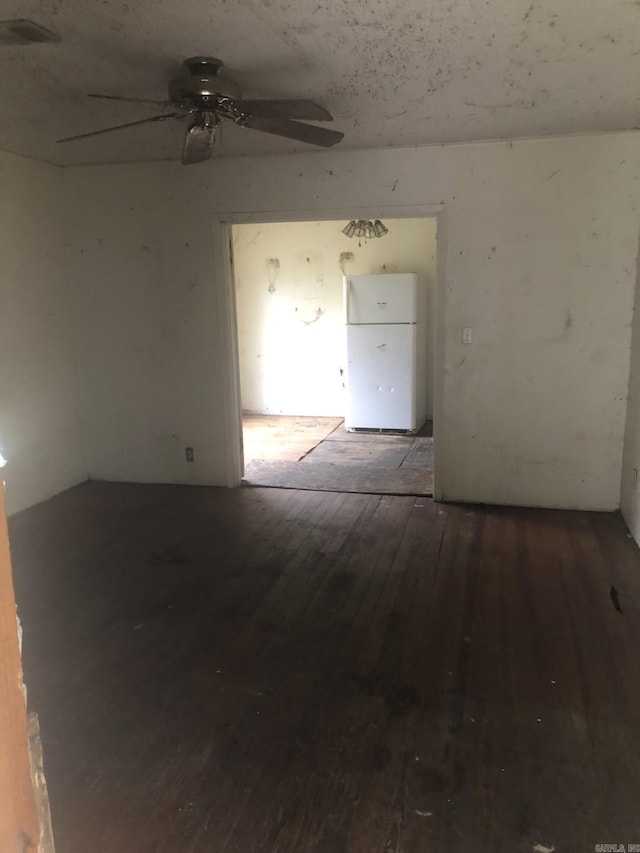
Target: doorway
(291,347)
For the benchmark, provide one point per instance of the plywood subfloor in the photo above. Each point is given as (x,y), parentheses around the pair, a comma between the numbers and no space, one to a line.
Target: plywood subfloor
(262,670)
(283,437)
(340,477)
(341,461)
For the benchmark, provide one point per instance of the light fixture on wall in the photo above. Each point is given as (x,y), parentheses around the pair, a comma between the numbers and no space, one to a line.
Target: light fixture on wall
(365,228)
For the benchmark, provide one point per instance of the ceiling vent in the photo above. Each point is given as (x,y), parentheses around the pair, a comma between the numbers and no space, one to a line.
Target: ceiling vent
(24,32)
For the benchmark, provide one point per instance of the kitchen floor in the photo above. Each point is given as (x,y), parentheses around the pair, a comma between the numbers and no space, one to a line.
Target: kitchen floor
(332,459)
(283,438)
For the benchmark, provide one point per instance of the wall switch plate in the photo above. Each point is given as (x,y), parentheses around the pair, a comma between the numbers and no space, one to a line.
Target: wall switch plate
(188,452)
(467,335)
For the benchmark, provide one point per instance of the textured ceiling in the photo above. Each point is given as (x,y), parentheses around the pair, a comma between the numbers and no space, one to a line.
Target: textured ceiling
(392,73)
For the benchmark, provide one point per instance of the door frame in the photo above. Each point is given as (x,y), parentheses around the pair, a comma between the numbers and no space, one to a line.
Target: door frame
(228,326)
(19,825)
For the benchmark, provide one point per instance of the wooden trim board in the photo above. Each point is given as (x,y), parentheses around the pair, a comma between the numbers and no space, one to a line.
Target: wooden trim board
(18,822)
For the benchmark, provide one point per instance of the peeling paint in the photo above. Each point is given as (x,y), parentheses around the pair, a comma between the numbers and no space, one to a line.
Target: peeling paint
(273,270)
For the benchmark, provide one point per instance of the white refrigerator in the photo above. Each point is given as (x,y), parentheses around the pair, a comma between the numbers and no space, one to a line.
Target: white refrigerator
(386,352)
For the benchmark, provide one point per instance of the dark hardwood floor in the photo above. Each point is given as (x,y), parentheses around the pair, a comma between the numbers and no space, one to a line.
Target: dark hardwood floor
(276,670)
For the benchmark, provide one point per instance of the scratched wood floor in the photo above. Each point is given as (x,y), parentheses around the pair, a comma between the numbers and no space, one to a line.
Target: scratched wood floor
(274,670)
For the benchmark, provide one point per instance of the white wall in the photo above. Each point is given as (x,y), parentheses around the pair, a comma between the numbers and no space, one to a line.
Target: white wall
(151,371)
(541,256)
(40,433)
(630,486)
(288,278)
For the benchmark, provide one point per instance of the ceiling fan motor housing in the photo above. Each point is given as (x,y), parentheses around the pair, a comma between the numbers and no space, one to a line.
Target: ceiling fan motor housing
(208,65)
(200,86)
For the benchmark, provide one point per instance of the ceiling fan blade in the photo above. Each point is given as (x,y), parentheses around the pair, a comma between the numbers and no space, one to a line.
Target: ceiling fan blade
(131,100)
(294,130)
(198,144)
(120,126)
(292,109)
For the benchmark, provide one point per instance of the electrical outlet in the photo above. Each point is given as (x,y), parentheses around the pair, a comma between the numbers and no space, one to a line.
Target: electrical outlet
(188,452)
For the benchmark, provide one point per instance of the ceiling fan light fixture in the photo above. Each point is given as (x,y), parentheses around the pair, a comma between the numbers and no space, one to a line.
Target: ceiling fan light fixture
(379,229)
(199,139)
(207,120)
(350,229)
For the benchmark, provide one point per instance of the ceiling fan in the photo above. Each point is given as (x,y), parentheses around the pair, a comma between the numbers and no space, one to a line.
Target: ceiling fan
(201,94)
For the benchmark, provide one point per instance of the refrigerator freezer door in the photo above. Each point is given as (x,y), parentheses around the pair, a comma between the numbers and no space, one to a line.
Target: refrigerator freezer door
(381,377)
(389,298)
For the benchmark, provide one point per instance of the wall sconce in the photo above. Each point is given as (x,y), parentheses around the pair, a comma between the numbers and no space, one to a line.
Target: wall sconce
(365,228)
